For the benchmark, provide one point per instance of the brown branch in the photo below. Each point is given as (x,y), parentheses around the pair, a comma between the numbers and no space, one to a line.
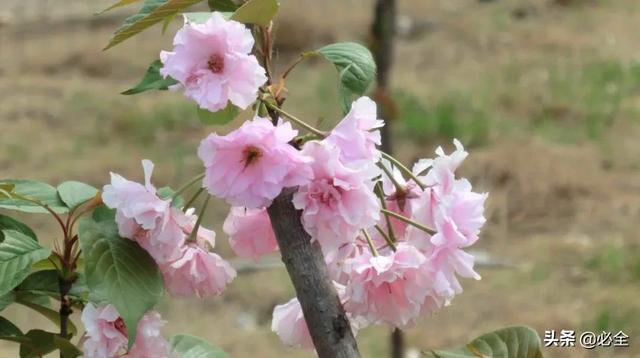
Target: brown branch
(325,316)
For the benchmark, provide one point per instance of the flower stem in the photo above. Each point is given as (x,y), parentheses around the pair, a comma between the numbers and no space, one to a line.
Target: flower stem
(372,247)
(383,203)
(404,169)
(395,182)
(300,58)
(409,221)
(186,186)
(298,121)
(193,198)
(386,237)
(194,233)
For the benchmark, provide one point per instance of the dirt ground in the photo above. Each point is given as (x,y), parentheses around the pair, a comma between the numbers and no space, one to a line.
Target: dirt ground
(547,94)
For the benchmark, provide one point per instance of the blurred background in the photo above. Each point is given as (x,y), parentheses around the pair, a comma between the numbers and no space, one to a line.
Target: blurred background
(545,94)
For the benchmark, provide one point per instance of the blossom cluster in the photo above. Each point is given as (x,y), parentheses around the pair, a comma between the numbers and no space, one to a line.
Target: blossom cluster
(107,336)
(386,278)
(187,263)
(394,239)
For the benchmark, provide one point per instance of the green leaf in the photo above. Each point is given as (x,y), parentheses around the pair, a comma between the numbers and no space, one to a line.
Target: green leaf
(152,12)
(9,223)
(510,342)
(9,332)
(7,299)
(41,342)
(119,4)
(8,329)
(166,193)
(50,263)
(17,253)
(5,190)
(46,283)
(356,69)
(48,313)
(194,347)
(152,80)
(223,116)
(119,272)
(258,12)
(27,191)
(103,213)
(222,5)
(74,193)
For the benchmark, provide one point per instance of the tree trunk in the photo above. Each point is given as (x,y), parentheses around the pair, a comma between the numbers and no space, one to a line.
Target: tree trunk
(382,31)
(323,312)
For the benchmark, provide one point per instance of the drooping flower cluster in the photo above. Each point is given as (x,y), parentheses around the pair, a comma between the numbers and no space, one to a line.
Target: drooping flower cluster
(107,335)
(212,62)
(416,274)
(189,267)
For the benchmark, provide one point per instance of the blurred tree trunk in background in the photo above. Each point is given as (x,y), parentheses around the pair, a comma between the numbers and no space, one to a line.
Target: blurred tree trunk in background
(383,32)
(382,35)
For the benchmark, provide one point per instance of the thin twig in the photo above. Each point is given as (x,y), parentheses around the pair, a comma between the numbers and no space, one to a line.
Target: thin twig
(403,168)
(372,247)
(386,237)
(409,221)
(383,203)
(193,198)
(186,186)
(298,121)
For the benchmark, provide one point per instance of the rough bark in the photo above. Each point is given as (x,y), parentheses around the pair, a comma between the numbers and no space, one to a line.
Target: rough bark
(325,317)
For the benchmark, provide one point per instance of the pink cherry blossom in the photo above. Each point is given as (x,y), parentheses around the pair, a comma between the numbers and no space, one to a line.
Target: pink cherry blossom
(465,209)
(144,217)
(107,335)
(441,170)
(389,288)
(250,166)
(198,272)
(358,133)
(289,323)
(338,202)
(149,341)
(403,200)
(212,61)
(250,232)
(105,331)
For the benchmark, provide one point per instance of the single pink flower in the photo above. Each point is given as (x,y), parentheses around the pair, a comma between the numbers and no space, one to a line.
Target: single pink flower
(465,209)
(198,272)
(339,201)
(289,324)
(250,166)
(389,288)
(107,335)
(357,134)
(212,61)
(149,341)
(144,217)
(250,232)
(441,170)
